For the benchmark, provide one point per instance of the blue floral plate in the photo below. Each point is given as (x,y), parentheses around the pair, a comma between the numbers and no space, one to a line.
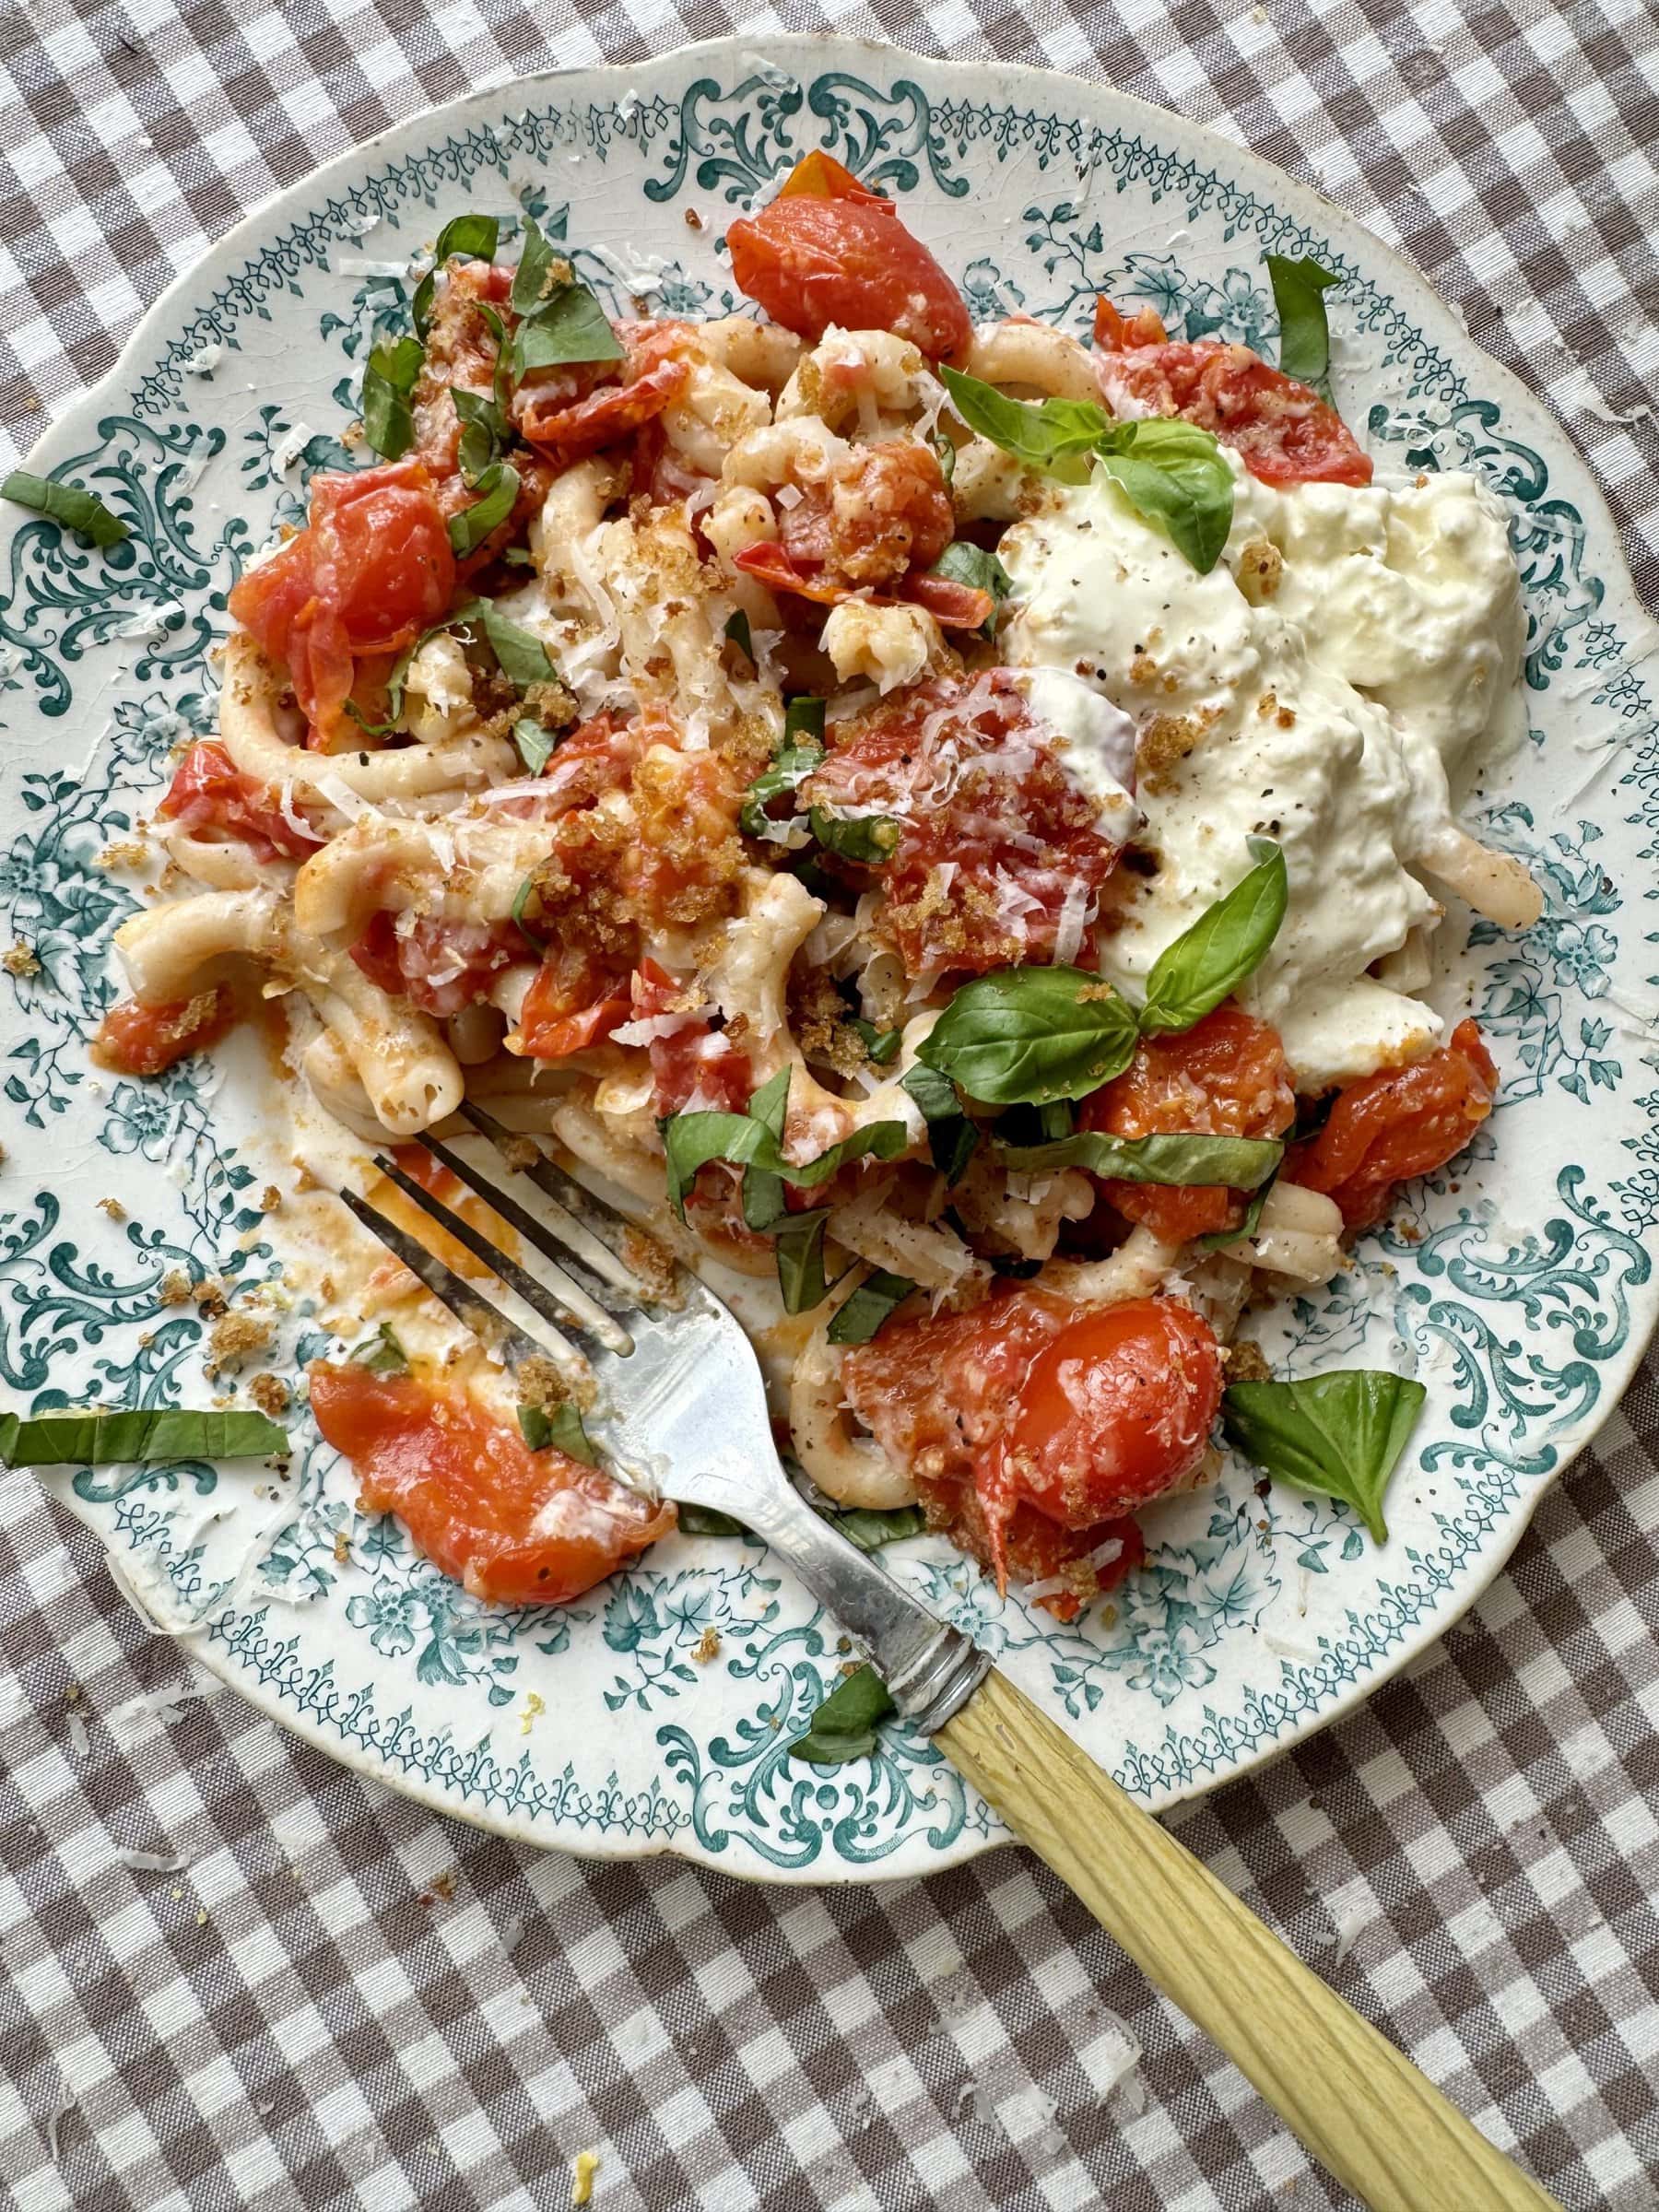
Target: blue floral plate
(1519,1288)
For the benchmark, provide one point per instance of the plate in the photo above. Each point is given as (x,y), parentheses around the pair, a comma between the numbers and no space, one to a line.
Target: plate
(1516,1286)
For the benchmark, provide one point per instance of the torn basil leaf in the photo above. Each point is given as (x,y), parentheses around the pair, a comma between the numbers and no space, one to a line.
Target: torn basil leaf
(1339,1434)
(1056,435)
(703,1521)
(1174,475)
(483,433)
(382,1354)
(569,327)
(1219,1239)
(534,277)
(691,1140)
(1239,1163)
(951,1136)
(82,512)
(1227,942)
(799,1244)
(844,1725)
(944,447)
(464,238)
(801,753)
(142,1436)
(1024,1036)
(877,1299)
(882,1045)
(871,1530)
(1299,290)
(498,490)
(869,839)
(521,914)
(964,562)
(388,380)
(536,742)
(737,633)
(560,1426)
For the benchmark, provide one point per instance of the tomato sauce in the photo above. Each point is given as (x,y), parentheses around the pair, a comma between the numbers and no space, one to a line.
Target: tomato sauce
(512,1525)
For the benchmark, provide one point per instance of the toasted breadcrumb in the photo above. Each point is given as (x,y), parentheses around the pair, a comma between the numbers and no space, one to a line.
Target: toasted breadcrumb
(708,1646)
(270,1198)
(19,960)
(113,1207)
(542,1382)
(233,1336)
(653,1265)
(521,1153)
(1246,1362)
(125,852)
(175,1288)
(342,1548)
(270,1393)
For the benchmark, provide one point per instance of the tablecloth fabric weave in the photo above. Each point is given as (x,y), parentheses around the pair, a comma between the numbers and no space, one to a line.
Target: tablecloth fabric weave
(233,1975)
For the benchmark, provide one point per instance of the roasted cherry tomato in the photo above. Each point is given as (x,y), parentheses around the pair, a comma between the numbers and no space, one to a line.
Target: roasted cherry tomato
(137,1040)
(573,1003)
(209,792)
(827,251)
(514,1526)
(370,573)
(1285,431)
(440,966)
(1225,1076)
(1401,1121)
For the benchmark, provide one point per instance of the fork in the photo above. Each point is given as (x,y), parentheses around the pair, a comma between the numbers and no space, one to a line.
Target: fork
(681,1407)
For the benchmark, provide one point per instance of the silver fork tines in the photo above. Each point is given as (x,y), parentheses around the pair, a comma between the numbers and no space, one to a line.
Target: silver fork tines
(551,1240)
(562,1303)
(586,1223)
(470,1307)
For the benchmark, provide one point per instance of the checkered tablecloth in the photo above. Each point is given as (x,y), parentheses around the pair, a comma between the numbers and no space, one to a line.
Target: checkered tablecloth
(233,1975)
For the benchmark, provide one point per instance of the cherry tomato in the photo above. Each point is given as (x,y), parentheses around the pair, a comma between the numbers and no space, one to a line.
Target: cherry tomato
(209,792)
(514,1526)
(827,251)
(1285,431)
(1401,1121)
(137,1040)
(979,791)
(1115,1411)
(440,966)
(1225,1076)
(567,433)
(370,573)
(573,1003)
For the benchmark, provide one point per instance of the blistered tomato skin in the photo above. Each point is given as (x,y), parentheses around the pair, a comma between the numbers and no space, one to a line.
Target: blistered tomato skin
(515,1527)
(1402,1121)
(137,1040)
(827,251)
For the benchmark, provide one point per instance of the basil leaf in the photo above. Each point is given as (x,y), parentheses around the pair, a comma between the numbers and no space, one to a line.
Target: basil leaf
(870,1530)
(691,1140)
(875,1301)
(1052,434)
(800,1254)
(536,742)
(1238,1162)
(497,491)
(502,379)
(1175,476)
(803,718)
(843,1727)
(946,449)
(161,1432)
(560,1427)
(1023,1036)
(764,1202)
(388,378)
(951,1136)
(79,510)
(964,562)
(737,633)
(869,839)
(481,436)
(881,1045)
(703,1521)
(1228,942)
(520,654)
(800,754)
(1338,1434)
(521,907)
(382,1354)
(464,238)
(534,279)
(1220,1239)
(571,327)
(1299,290)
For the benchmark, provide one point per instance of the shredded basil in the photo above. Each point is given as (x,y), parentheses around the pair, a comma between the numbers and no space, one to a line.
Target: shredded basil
(951,1136)
(737,633)
(691,1140)
(484,431)
(1023,1036)
(1299,290)
(97,1440)
(881,1045)
(799,1248)
(534,278)
(877,1299)
(521,909)
(800,754)
(388,380)
(536,742)
(382,1354)
(1228,942)
(869,1530)
(869,839)
(1339,1434)
(946,449)
(964,562)
(79,510)
(1238,1162)
(571,327)
(844,1725)
(465,237)
(498,490)
(1219,1239)
(561,1428)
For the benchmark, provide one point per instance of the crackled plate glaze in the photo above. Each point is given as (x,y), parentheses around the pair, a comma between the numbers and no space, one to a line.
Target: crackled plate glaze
(1518,1288)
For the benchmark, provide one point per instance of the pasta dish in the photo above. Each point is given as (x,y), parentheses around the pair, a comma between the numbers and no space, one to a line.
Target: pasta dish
(950,820)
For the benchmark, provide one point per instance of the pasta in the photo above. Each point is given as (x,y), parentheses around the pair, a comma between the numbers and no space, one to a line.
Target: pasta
(707,781)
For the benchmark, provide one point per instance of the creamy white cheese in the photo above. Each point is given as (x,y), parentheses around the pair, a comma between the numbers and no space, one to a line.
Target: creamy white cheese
(1350,647)
(1094,741)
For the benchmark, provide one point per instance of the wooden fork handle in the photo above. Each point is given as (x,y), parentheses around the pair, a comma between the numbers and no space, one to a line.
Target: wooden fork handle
(1361,2107)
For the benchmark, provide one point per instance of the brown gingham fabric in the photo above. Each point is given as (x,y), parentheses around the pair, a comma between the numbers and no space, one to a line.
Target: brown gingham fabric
(235,1976)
